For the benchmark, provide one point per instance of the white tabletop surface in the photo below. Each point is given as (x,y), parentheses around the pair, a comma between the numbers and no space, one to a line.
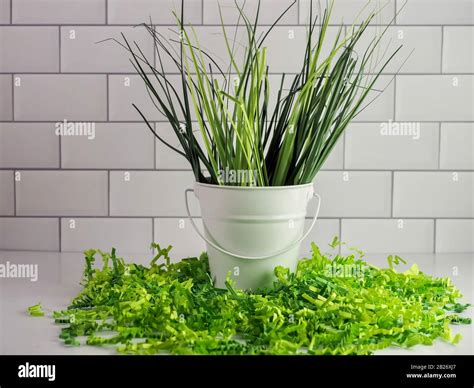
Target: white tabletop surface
(60,274)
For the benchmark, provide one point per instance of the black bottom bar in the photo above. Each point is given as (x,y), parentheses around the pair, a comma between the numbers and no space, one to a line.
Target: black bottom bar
(429,371)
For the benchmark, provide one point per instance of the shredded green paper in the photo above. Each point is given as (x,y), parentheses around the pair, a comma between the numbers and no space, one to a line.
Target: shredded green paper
(36,310)
(332,304)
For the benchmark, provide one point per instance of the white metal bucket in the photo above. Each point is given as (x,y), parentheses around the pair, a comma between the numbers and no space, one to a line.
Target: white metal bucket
(251,230)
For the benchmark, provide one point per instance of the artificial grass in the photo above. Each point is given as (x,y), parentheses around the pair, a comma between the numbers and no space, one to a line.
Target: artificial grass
(330,305)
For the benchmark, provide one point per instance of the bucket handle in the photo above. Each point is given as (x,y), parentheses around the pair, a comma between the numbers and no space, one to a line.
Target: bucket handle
(222,250)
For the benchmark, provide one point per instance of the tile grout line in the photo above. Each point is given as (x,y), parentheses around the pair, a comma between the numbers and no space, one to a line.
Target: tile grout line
(298,12)
(392,203)
(395,97)
(106,12)
(13,118)
(11,11)
(155,48)
(107,85)
(152,229)
(14,193)
(60,155)
(154,147)
(227,24)
(290,73)
(395,14)
(181,216)
(108,193)
(13,97)
(60,233)
(439,131)
(340,233)
(439,146)
(195,122)
(334,170)
(343,144)
(59,47)
(442,50)
(343,151)
(202,12)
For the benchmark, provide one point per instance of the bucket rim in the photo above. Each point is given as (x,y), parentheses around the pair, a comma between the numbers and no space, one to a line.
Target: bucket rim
(254,188)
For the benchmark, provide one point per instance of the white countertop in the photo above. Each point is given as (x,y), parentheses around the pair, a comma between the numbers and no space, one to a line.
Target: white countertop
(60,273)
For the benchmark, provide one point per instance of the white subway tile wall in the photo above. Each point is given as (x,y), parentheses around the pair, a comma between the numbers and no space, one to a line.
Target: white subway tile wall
(58,11)
(79,168)
(457,53)
(38,141)
(379,105)
(349,11)
(125,90)
(371,146)
(322,234)
(61,193)
(391,236)
(454,235)
(457,146)
(29,234)
(420,48)
(110,146)
(57,97)
(6,93)
(269,11)
(131,235)
(284,42)
(434,98)
(335,159)
(166,158)
(150,193)
(159,12)
(7,193)
(29,49)
(433,194)
(80,44)
(179,233)
(354,193)
(443,12)
(5,11)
